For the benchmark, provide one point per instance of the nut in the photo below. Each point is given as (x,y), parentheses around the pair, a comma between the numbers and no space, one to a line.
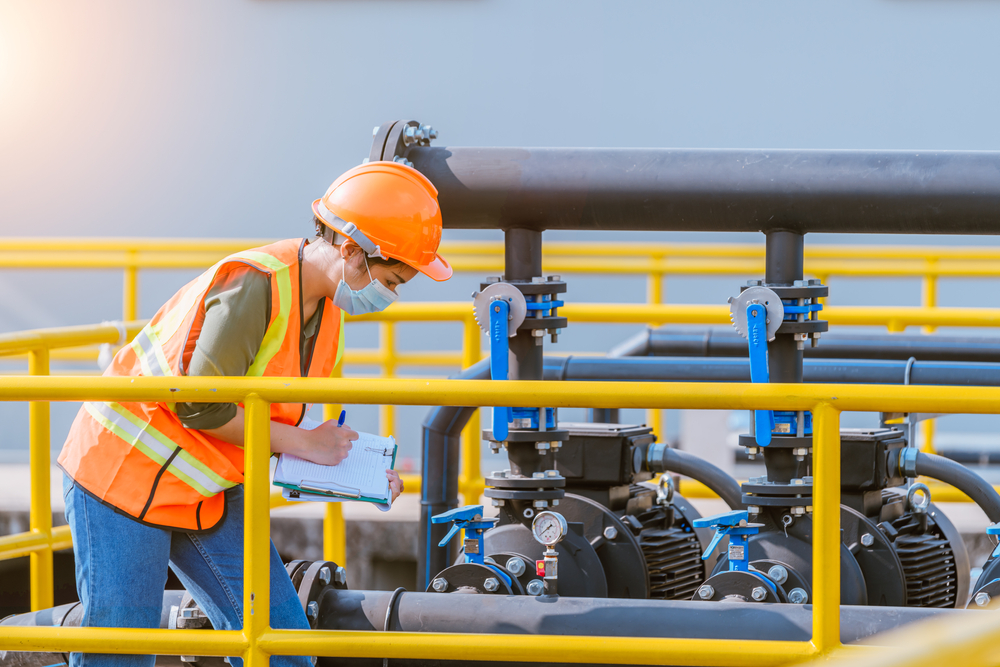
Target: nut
(982,598)
(516,566)
(535,587)
(491,584)
(797,596)
(540,504)
(542,446)
(706,592)
(759,593)
(610,532)
(324,574)
(440,585)
(312,609)
(867,540)
(340,576)
(498,502)
(778,573)
(753,509)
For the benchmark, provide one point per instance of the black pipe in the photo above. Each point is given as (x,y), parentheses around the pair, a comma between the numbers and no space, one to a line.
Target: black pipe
(963,479)
(522,263)
(521,615)
(442,434)
(854,191)
(661,458)
(674,341)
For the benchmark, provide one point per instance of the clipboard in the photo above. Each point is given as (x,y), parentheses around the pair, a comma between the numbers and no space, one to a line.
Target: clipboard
(347,493)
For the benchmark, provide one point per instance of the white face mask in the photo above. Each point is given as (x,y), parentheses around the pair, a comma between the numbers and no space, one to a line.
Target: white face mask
(371,298)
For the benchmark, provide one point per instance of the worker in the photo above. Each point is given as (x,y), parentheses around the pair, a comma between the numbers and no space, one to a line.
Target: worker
(152,484)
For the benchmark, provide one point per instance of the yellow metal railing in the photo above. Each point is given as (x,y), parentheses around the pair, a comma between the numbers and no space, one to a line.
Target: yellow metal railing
(257,640)
(654,260)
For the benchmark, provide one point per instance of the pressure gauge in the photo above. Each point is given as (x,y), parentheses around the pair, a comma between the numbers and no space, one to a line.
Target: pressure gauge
(548,528)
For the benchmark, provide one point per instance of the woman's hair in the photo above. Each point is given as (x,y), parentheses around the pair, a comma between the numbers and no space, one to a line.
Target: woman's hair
(324,231)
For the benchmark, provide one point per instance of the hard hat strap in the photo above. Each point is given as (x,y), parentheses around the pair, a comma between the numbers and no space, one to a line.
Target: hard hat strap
(351,231)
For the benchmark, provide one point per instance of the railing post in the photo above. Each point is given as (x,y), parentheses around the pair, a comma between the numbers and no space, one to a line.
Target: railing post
(826,528)
(39,445)
(928,428)
(130,291)
(470,481)
(387,351)
(654,296)
(928,293)
(257,526)
(334,529)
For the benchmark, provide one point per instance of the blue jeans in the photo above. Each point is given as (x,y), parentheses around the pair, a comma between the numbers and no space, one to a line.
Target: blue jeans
(121,570)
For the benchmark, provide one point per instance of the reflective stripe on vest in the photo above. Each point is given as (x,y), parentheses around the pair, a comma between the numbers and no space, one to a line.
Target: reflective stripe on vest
(158,447)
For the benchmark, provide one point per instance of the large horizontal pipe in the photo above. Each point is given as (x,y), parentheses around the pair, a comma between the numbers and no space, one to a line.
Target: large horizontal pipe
(894,192)
(515,615)
(725,342)
(732,369)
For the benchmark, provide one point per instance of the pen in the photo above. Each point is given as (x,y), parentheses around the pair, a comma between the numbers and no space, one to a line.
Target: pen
(343,416)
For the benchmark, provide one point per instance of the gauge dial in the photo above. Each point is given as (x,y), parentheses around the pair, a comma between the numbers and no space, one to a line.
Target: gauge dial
(548,528)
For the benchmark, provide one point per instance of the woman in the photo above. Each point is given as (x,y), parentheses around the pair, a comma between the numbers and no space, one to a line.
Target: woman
(152,484)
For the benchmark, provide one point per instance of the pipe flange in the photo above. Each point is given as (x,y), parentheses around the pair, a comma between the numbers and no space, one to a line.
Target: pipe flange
(547,482)
(814,291)
(516,435)
(533,288)
(525,494)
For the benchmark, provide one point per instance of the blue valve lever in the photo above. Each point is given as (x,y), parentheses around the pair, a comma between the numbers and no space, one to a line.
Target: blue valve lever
(499,362)
(757,339)
(736,525)
(470,519)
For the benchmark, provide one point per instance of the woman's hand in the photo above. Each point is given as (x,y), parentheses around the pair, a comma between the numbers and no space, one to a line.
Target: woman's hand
(328,444)
(395,483)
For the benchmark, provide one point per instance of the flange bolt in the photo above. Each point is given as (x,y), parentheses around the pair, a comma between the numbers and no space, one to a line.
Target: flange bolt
(340,576)
(516,566)
(797,596)
(610,533)
(867,540)
(535,587)
(982,598)
(440,584)
(324,575)
(312,609)
(778,573)
(491,584)
(706,592)
(759,593)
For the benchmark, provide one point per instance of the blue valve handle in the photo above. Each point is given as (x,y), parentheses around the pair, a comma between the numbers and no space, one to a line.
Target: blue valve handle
(470,519)
(757,339)
(500,362)
(736,526)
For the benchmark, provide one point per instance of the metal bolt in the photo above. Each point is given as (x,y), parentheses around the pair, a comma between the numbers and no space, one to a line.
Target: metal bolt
(555,502)
(324,574)
(754,283)
(706,592)
(753,509)
(797,596)
(191,612)
(610,532)
(982,598)
(498,502)
(516,566)
(535,587)
(759,593)
(189,658)
(491,584)
(554,279)
(542,446)
(540,503)
(798,511)
(778,573)
(538,475)
(538,333)
(440,584)
(312,609)
(867,540)
(340,576)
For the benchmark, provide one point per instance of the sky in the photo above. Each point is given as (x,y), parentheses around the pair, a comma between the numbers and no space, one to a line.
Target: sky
(226,118)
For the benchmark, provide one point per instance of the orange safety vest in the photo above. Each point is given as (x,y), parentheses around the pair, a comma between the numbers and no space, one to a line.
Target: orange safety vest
(138,457)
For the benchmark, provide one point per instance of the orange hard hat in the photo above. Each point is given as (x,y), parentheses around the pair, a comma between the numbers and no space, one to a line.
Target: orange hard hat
(390,210)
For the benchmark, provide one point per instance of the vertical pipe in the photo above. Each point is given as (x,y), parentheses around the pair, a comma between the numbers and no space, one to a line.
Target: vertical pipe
(257,526)
(826,527)
(334,538)
(39,444)
(130,293)
(928,293)
(928,444)
(471,478)
(387,351)
(522,262)
(783,266)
